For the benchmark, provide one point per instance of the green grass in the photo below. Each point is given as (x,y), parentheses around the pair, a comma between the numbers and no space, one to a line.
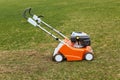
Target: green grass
(25,51)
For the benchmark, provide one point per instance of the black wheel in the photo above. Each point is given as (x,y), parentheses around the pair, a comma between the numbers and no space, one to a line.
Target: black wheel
(89,56)
(58,58)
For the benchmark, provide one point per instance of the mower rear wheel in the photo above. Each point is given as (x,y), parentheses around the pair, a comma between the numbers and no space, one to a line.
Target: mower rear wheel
(89,56)
(58,58)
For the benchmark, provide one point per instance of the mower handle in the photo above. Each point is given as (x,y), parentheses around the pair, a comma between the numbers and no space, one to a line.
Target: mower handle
(27,10)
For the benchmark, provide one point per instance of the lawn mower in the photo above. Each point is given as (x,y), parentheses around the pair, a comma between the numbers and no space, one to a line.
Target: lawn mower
(75,48)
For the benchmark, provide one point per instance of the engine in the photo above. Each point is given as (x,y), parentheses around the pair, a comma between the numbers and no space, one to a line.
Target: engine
(80,39)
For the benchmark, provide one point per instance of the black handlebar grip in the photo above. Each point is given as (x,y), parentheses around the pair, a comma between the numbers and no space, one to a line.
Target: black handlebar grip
(25,11)
(30,12)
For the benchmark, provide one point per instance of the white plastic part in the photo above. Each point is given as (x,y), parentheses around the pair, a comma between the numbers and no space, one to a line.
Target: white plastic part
(57,48)
(58,58)
(89,57)
(31,21)
(35,17)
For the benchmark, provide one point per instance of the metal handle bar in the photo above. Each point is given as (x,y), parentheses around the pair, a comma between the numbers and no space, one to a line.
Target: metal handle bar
(38,18)
(58,32)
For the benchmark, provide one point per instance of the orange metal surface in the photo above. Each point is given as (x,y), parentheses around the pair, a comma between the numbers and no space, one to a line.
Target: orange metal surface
(72,53)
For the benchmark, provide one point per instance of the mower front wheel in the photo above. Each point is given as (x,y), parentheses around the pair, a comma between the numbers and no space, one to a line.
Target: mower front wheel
(89,56)
(58,58)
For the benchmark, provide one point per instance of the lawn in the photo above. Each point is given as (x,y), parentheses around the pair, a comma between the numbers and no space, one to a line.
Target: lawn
(26,51)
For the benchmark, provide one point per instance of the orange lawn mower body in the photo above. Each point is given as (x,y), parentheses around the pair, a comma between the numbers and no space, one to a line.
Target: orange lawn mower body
(70,53)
